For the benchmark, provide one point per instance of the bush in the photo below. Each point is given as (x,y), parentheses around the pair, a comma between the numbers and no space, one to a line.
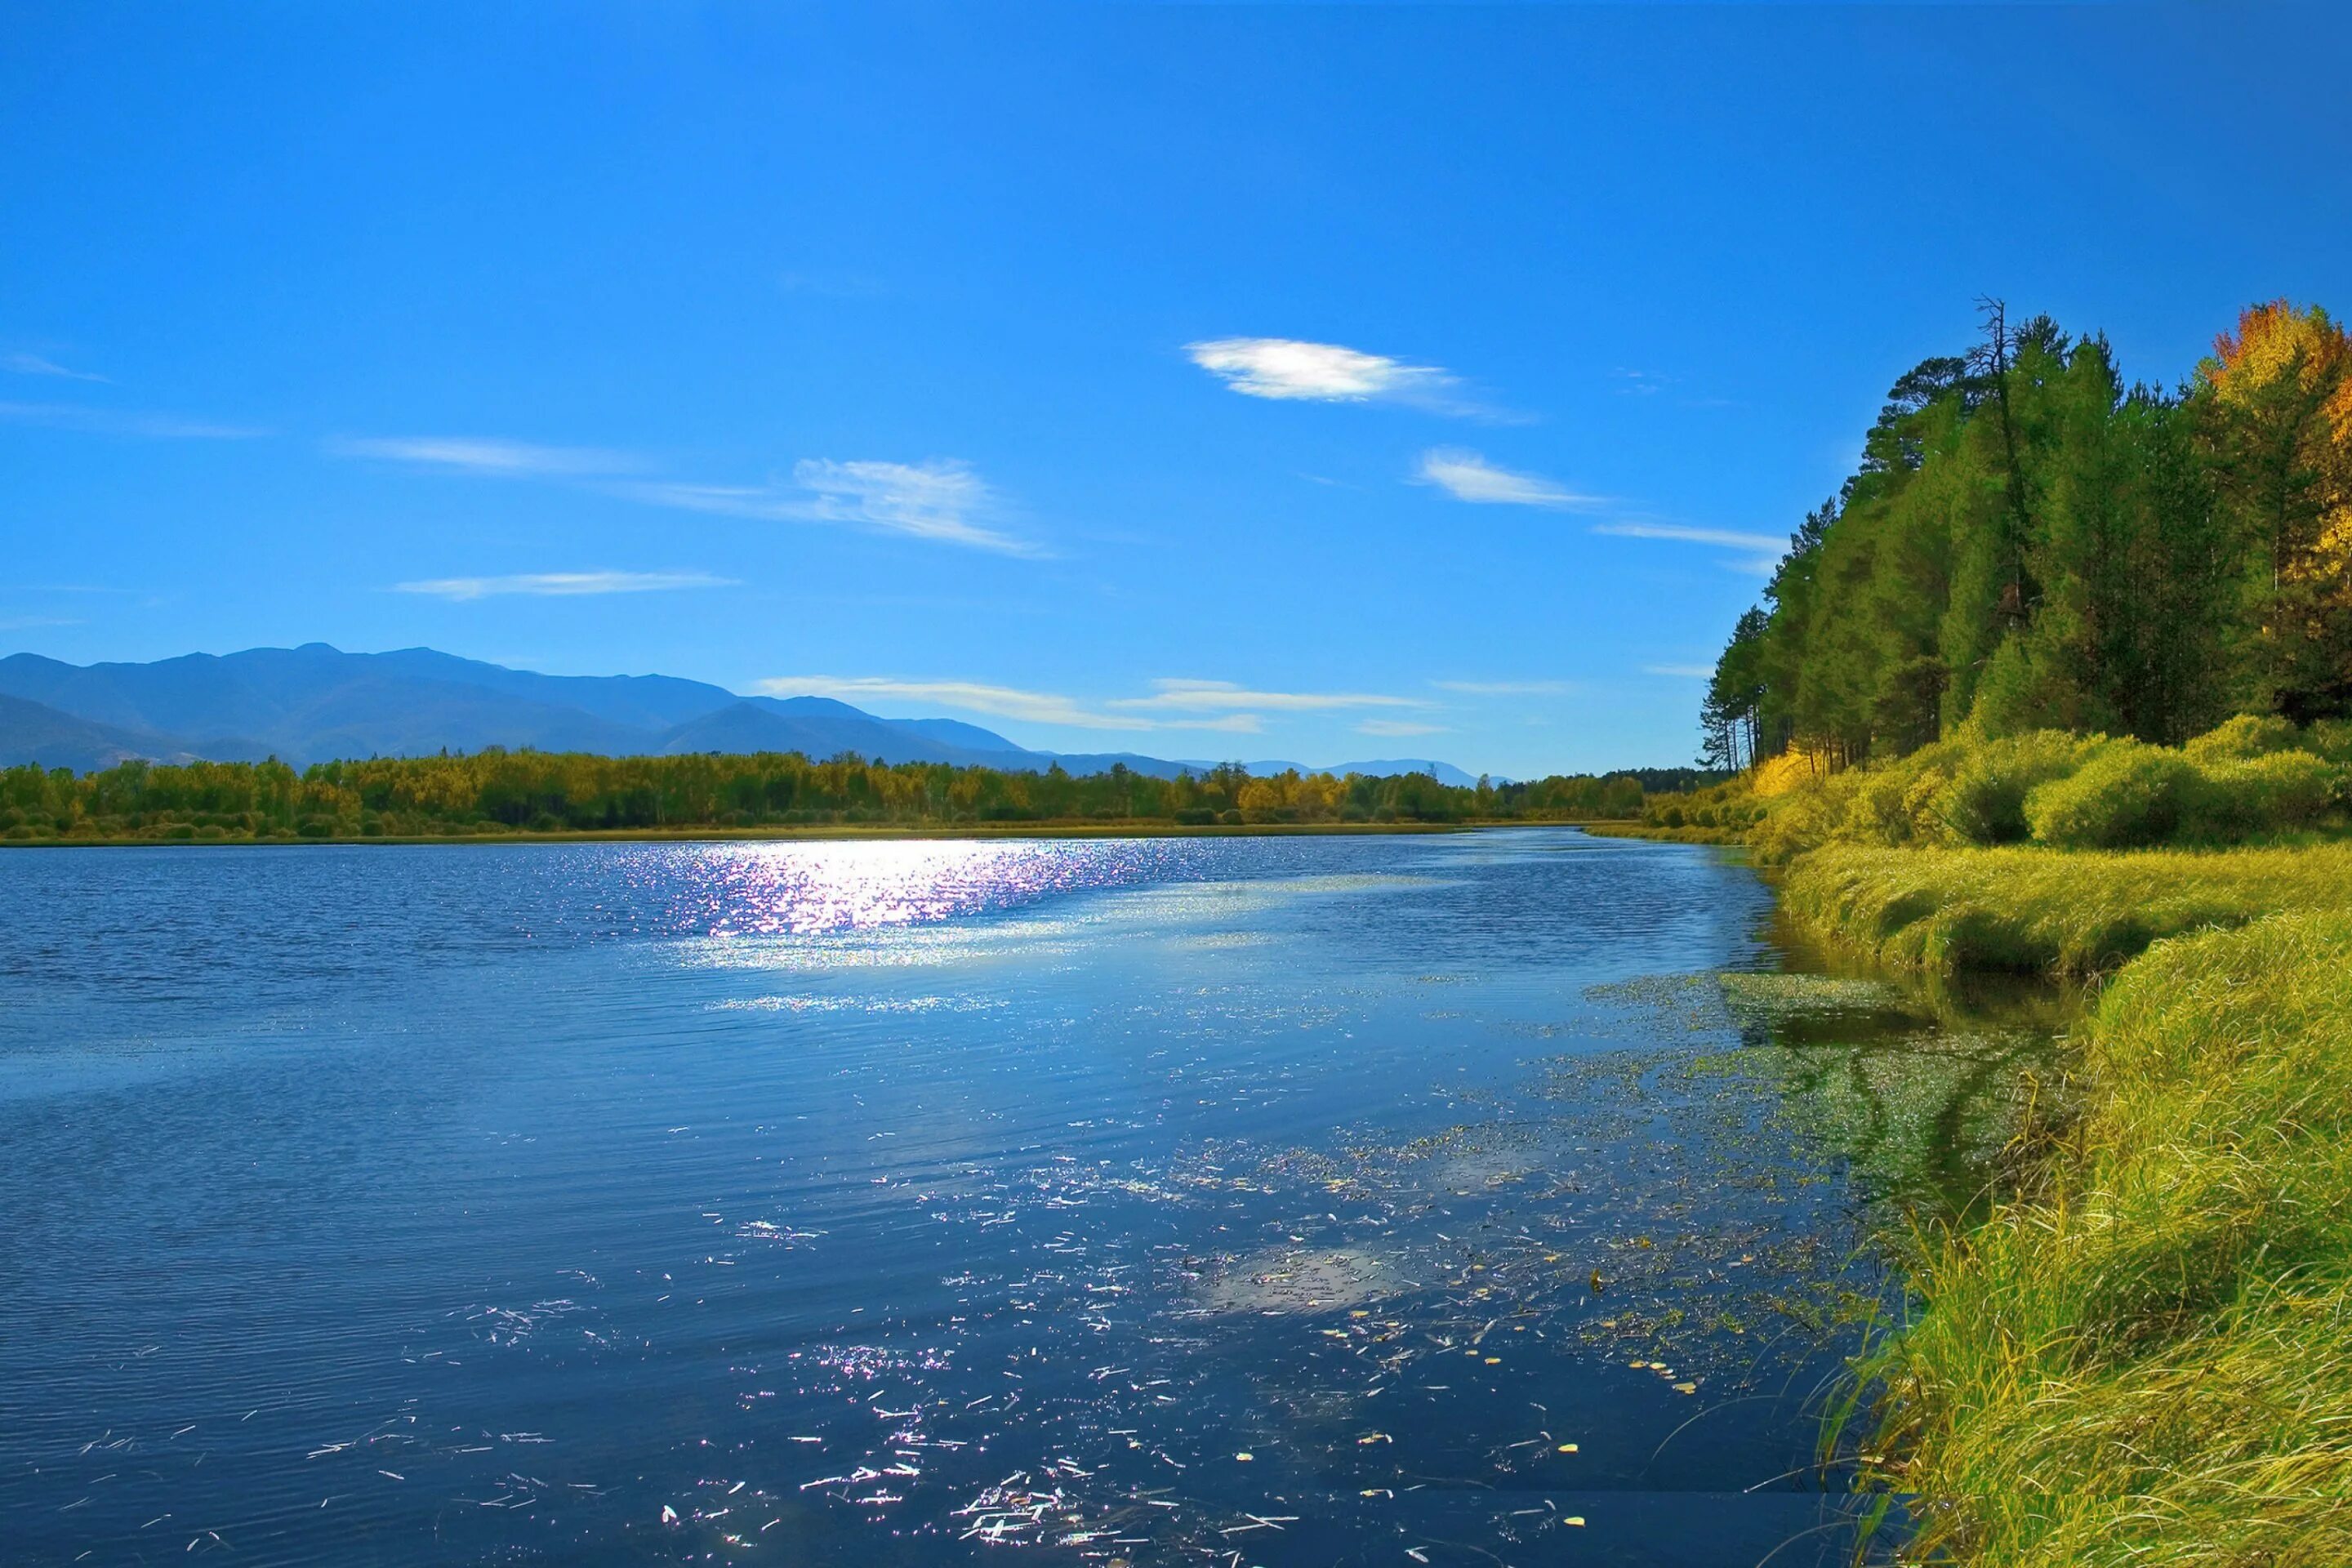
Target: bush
(2330,739)
(1886,802)
(2273,793)
(1195,815)
(1985,803)
(2126,794)
(2246,736)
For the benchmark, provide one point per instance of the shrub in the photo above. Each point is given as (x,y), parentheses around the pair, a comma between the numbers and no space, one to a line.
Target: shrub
(1884,802)
(2126,794)
(2272,794)
(1985,803)
(2331,738)
(2246,736)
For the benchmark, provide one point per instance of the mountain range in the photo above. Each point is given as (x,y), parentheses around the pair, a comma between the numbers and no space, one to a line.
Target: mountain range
(314,703)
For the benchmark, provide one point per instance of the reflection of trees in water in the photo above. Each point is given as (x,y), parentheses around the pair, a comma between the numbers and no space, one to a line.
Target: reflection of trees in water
(1916,1086)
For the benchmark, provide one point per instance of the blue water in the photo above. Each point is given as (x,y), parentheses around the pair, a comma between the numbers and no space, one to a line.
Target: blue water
(1231,1199)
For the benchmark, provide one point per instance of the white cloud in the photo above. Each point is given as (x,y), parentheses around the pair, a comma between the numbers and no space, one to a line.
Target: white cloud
(1728,539)
(1397,727)
(1285,368)
(940,501)
(34,364)
(562,584)
(107,422)
(1505,687)
(33,623)
(1681,671)
(1468,477)
(1217,696)
(1759,553)
(937,500)
(972,696)
(1182,705)
(483,455)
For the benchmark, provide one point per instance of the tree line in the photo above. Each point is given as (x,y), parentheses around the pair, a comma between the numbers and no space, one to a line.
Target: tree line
(502,791)
(2031,543)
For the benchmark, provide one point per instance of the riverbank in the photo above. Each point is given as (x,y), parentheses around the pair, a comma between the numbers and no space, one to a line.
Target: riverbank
(800,832)
(2142,1354)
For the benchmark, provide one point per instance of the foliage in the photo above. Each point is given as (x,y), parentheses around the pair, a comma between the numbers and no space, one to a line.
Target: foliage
(1985,802)
(2126,794)
(2251,780)
(2029,544)
(500,792)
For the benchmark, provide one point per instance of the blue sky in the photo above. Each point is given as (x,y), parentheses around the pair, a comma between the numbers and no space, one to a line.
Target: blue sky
(1319,382)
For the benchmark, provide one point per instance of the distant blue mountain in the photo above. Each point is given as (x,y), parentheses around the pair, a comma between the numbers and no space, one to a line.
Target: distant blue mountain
(314,703)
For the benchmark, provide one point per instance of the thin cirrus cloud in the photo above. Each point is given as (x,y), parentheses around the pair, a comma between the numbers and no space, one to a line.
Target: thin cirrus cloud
(939,501)
(1398,726)
(1504,688)
(563,584)
(1000,702)
(1223,696)
(1681,671)
(1758,552)
(1468,475)
(1174,704)
(36,364)
(112,422)
(488,456)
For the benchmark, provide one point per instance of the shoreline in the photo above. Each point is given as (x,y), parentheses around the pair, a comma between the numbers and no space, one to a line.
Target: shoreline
(839,832)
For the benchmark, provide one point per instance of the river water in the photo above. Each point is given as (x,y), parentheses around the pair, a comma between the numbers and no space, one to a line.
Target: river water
(1461,1199)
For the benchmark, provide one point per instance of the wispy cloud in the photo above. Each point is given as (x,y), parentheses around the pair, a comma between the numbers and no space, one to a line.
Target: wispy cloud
(1727,538)
(110,422)
(1504,688)
(34,622)
(1221,696)
(937,500)
(1398,726)
(1290,370)
(562,584)
(1758,552)
(1468,477)
(1184,705)
(488,456)
(34,364)
(940,501)
(1681,671)
(971,696)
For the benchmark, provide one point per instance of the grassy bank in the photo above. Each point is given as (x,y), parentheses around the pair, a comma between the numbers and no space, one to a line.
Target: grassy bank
(2046,910)
(2145,1356)
(2149,1359)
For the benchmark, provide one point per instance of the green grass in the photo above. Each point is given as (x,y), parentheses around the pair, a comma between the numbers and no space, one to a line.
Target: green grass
(2149,1360)
(2064,911)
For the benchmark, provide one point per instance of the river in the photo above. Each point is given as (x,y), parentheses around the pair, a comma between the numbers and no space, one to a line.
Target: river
(1461,1199)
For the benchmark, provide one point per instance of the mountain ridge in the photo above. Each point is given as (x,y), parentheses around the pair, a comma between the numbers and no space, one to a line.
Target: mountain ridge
(315,702)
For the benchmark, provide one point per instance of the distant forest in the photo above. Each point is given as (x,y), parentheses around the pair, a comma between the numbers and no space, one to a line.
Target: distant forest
(2029,544)
(499,792)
